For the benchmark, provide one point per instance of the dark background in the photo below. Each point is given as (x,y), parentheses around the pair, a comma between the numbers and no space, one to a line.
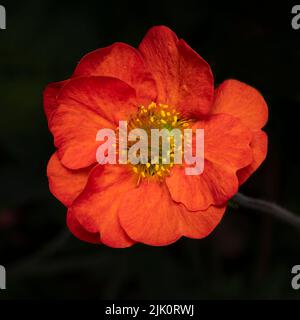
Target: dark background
(249,255)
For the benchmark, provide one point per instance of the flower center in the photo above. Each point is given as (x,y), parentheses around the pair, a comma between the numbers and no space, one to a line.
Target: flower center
(157,116)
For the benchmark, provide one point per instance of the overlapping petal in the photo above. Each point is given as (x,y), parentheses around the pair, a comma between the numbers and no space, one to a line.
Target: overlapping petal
(123,62)
(87,105)
(50,97)
(246,103)
(65,184)
(259,145)
(97,207)
(242,101)
(184,80)
(159,220)
(226,150)
(79,232)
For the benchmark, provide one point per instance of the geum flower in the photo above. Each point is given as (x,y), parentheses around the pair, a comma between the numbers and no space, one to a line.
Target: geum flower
(105,203)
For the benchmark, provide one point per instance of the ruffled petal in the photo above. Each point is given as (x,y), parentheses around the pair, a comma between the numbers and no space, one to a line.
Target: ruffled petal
(226,150)
(149,215)
(246,103)
(79,232)
(87,105)
(97,206)
(123,62)
(50,97)
(184,80)
(242,101)
(259,145)
(200,224)
(65,184)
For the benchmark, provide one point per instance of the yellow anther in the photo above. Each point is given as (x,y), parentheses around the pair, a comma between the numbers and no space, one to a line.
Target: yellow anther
(156,115)
(135,169)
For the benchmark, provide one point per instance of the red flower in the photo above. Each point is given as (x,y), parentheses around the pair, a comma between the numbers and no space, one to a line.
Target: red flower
(105,204)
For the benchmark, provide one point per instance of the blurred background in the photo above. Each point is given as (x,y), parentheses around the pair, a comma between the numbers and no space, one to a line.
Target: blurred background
(249,255)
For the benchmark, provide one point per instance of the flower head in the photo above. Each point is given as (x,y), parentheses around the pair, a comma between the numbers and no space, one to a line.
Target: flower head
(163,84)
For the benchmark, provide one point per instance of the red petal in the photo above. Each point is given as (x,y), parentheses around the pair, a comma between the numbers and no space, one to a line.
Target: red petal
(259,145)
(200,224)
(247,104)
(65,184)
(78,231)
(214,186)
(184,80)
(85,106)
(50,97)
(123,62)
(226,150)
(149,215)
(242,101)
(97,206)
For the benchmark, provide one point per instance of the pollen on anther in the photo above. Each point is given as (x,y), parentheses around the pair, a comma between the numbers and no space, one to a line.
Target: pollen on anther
(135,169)
(157,116)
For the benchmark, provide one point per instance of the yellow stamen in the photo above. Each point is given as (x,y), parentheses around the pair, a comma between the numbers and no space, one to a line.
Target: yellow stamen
(156,116)
(135,169)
